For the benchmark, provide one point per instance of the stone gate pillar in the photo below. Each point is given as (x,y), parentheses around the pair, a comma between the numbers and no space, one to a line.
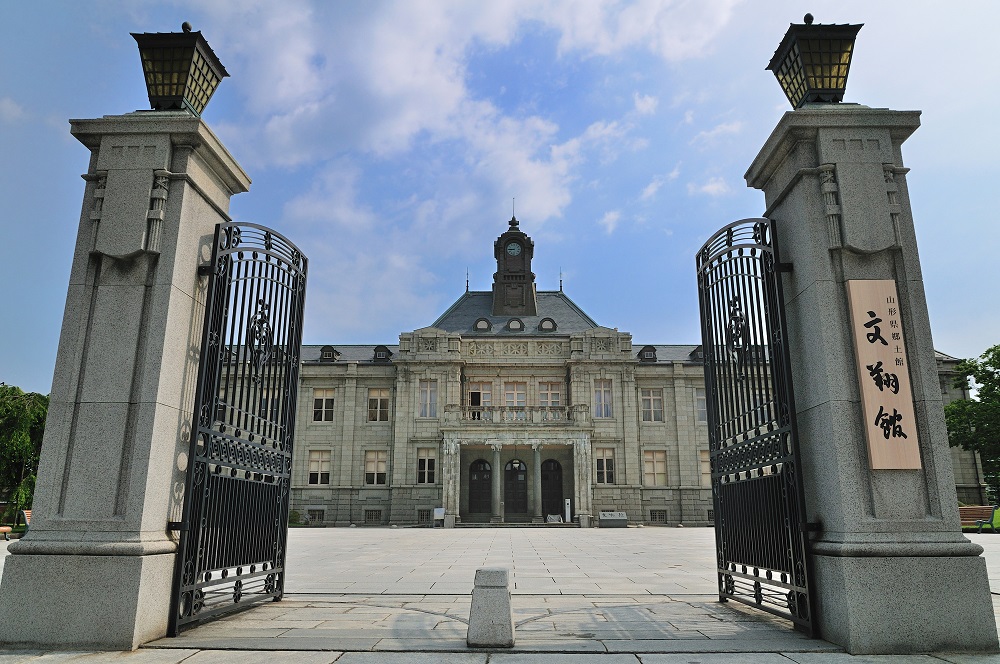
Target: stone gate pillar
(96,568)
(890,567)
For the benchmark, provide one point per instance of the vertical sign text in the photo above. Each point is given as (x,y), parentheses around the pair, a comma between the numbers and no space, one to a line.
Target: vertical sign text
(883,371)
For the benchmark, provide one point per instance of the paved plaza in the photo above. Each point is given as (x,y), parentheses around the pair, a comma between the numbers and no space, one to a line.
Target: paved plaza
(387,595)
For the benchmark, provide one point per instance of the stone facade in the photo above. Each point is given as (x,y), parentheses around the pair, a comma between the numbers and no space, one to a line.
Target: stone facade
(386,434)
(969,482)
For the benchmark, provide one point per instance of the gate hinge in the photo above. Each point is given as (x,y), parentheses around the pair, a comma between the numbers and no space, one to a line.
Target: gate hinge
(205,270)
(811,527)
(176,525)
(783,267)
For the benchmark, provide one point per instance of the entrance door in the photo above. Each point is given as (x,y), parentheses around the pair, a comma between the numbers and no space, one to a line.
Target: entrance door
(480,487)
(552,488)
(515,494)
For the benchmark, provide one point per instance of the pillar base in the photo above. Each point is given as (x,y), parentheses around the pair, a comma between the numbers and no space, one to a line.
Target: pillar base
(98,602)
(912,604)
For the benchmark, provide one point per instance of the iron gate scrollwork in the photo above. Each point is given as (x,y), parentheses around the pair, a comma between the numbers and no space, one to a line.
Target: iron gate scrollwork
(756,481)
(235,519)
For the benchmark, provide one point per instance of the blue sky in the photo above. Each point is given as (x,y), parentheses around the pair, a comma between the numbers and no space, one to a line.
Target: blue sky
(387,140)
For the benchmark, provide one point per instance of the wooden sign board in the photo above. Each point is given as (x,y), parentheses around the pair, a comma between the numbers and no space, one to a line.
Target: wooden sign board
(883,374)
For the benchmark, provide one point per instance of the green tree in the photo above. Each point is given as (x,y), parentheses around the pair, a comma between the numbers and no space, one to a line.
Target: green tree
(22,422)
(974,424)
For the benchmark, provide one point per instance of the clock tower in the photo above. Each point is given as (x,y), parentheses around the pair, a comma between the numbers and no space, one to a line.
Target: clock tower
(514,282)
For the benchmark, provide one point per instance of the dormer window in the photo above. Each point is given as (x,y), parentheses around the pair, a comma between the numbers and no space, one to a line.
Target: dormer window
(382,354)
(328,354)
(547,325)
(647,354)
(482,325)
(515,325)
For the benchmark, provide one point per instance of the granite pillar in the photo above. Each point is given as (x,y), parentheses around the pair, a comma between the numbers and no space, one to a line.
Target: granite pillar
(891,570)
(536,474)
(497,477)
(95,570)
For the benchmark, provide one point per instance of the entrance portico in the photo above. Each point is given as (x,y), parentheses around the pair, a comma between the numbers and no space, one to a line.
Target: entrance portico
(514,464)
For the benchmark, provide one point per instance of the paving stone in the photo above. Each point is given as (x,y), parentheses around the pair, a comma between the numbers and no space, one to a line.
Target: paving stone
(272,657)
(412,658)
(713,658)
(843,658)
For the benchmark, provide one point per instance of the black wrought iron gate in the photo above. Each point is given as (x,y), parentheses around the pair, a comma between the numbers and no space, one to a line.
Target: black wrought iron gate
(759,531)
(235,518)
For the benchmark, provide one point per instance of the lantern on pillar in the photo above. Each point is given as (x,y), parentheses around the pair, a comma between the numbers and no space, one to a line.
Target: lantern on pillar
(812,61)
(181,69)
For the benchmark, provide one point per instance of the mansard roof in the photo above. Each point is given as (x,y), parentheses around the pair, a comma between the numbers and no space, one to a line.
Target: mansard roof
(473,305)
(669,353)
(360,353)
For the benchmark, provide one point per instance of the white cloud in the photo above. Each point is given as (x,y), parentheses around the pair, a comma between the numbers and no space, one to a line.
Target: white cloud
(713,187)
(332,199)
(723,129)
(673,30)
(688,117)
(10,110)
(610,221)
(644,104)
(650,190)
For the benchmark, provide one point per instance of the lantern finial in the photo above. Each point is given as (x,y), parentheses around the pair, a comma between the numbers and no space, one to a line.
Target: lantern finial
(812,61)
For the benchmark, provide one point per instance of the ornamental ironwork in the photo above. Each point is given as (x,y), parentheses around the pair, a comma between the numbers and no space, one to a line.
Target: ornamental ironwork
(761,546)
(235,520)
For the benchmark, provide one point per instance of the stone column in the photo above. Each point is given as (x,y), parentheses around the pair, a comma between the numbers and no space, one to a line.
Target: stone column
(536,449)
(583,489)
(891,570)
(96,569)
(451,474)
(497,477)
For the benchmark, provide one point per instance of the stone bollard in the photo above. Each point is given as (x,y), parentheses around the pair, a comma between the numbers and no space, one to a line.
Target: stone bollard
(491,621)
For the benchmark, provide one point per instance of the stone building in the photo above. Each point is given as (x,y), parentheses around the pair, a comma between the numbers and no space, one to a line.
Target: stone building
(515,406)
(969,479)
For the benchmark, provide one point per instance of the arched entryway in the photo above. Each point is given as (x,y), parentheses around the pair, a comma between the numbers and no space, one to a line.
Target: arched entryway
(480,487)
(515,493)
(552,487)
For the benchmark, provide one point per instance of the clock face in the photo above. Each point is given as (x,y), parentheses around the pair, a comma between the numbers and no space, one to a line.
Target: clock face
(513,249)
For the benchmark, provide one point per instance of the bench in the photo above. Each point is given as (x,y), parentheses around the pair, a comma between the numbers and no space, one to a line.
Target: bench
(978,516)
(24,515)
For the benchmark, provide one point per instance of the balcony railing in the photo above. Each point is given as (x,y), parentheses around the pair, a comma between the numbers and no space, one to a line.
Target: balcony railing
(521,414)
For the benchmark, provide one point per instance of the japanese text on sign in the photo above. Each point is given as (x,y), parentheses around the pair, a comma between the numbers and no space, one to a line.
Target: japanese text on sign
(884,377)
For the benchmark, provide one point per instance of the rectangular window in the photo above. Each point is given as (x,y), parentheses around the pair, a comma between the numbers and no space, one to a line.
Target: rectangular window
(424,515)
(652,405)
(315,516)
(268,407)
(373,517)
(480,400)
(375,462)
(428,398)
(549,394)
(602,398)
(699,404)
(657,516)
(378,405)
(426,460)
(705,465)
(319,466)
(605,465)
(515,397)
(550,398)
(322,405)
(654,468)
